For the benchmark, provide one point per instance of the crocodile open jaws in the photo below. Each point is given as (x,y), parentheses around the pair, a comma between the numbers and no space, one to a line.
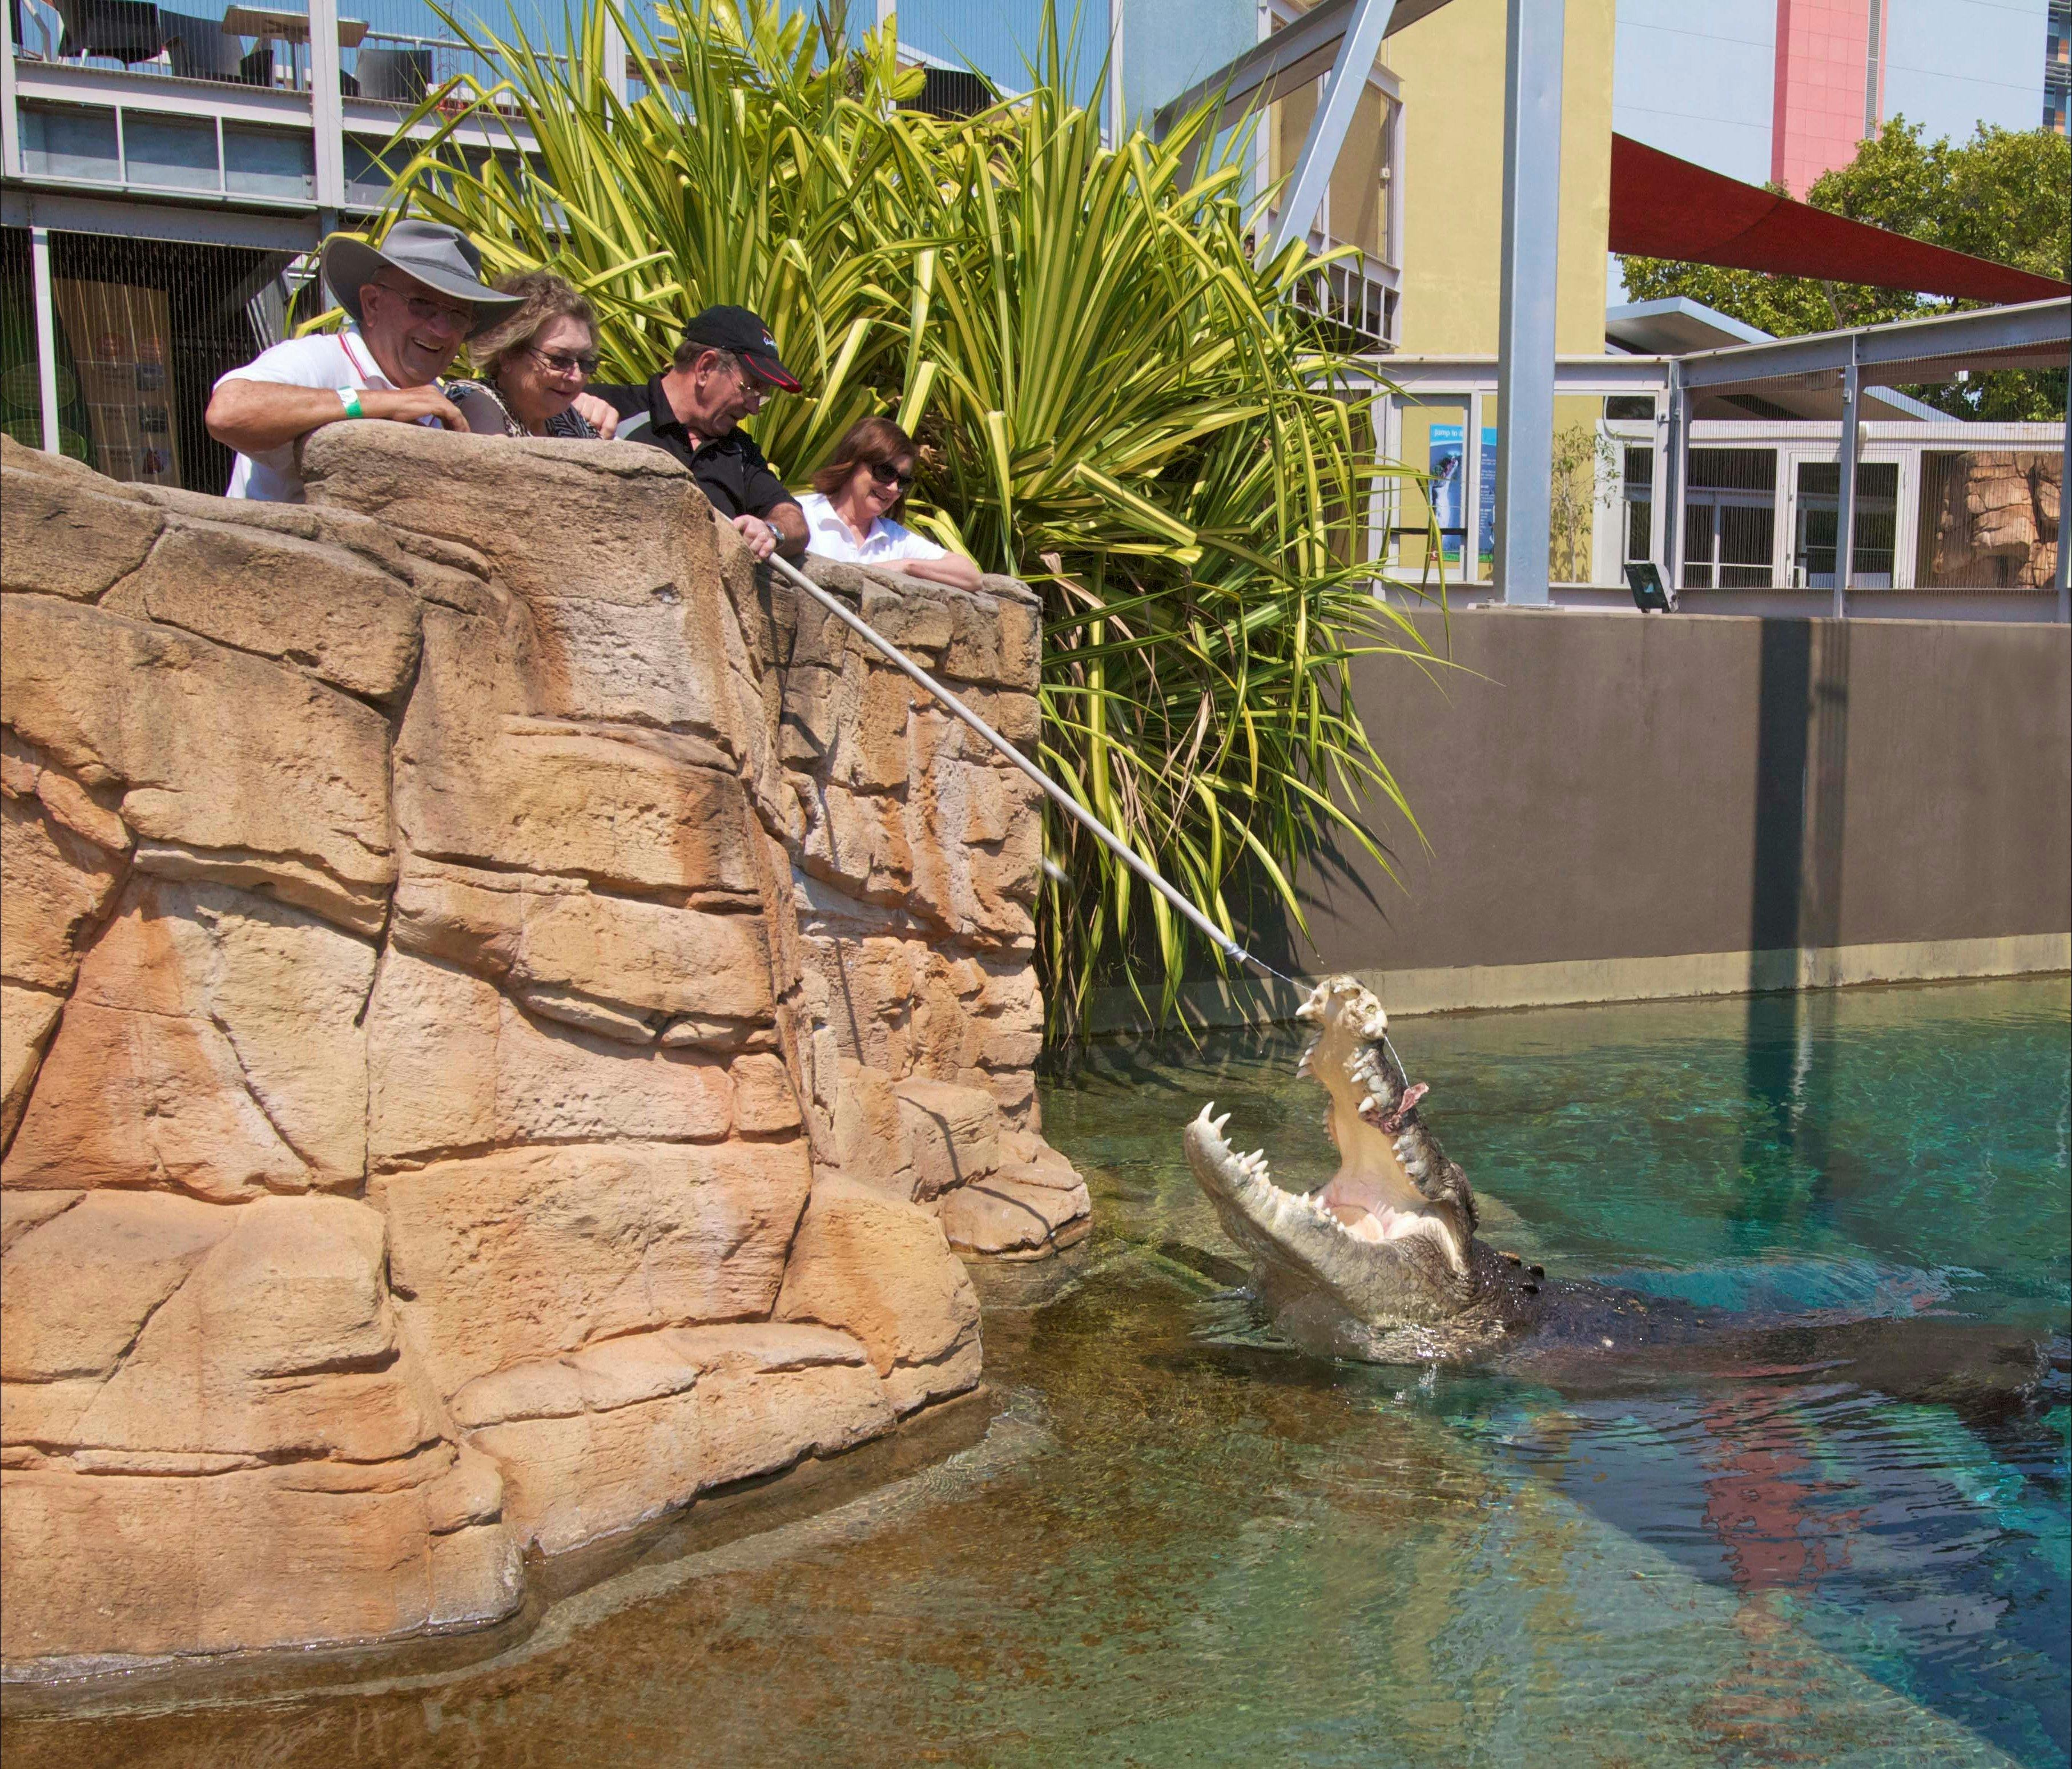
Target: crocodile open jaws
(1383,1262)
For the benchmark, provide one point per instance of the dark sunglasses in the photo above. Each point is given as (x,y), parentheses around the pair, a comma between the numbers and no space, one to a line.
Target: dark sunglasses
(891,477)
(562,362)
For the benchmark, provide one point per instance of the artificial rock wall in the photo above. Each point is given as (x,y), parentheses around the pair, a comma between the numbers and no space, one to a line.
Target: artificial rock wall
(506,1016)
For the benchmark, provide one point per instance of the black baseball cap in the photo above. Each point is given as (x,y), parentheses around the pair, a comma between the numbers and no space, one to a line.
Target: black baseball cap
(739,331)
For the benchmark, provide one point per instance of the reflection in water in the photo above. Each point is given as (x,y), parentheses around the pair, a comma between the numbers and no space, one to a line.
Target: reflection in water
(1786,1164)
(1184,1544)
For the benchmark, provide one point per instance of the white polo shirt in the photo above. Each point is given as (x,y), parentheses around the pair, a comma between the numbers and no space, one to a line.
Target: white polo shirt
(831,538)
(334,359)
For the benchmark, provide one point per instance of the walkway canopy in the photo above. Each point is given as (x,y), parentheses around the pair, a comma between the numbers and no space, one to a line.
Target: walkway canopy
(1665,208)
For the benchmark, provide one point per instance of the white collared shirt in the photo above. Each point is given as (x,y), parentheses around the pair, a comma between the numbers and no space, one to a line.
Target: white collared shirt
(334,359)
(831,538)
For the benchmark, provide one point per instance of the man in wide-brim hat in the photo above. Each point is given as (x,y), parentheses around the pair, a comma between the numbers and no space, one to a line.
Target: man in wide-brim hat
(410,303)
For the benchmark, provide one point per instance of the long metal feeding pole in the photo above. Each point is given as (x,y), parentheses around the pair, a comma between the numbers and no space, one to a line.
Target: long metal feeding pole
(1070,805)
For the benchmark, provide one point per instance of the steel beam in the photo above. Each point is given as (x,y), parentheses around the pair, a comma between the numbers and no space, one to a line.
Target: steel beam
(2065,515)
(1845,514)
(10,121)
(2040,328)
(614,56)
(206,223)
(1525,323)
(1275,67)
(1675,463)
(46,338)
(1118,112)
(1366,25)
(326,104)
(1600,375)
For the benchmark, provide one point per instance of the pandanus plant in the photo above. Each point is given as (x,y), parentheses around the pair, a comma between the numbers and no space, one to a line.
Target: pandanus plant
(1115,401)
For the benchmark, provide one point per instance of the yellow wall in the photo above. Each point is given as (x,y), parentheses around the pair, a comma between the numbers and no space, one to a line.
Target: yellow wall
(1450,64)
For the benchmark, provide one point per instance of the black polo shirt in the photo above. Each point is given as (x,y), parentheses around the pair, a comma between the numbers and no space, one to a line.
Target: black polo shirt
(729,469)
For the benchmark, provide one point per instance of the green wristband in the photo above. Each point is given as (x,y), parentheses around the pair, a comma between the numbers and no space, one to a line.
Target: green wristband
(349,397)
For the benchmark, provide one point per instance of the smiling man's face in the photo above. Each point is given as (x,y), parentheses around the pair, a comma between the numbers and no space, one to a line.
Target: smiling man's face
(414,332)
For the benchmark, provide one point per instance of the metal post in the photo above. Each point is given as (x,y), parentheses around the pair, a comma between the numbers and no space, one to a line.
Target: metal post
(1472,474)
(326,106)
(1845,517)
(1676,457)
(2064,513)
(47,338)
(1118,117)
(1525,326)
(614,56)
(1357,49)
(10,125)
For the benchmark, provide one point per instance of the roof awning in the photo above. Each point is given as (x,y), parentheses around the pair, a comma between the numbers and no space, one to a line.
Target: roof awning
(1665,208)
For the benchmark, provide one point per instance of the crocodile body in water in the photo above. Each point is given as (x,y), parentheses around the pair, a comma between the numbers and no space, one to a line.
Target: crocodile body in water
(1383,1263)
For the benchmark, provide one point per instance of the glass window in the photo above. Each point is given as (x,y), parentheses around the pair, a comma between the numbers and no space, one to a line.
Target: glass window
(268,162)
(1729,518)
(178,152)
(367,179)
(1434,444)
(70,141)
(1637,486)
(1356,187)
(1820,518)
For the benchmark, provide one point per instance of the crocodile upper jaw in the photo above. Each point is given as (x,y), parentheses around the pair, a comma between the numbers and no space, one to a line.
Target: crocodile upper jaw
(1371,1239)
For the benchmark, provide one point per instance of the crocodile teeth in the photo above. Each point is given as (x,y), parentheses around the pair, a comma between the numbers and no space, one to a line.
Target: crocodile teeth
(1304,1063)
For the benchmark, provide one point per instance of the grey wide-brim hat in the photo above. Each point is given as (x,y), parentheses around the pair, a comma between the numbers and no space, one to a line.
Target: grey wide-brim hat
(443,258)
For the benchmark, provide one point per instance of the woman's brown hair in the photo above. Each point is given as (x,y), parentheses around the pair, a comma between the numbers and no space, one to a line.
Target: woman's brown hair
(546,297)
(870,442)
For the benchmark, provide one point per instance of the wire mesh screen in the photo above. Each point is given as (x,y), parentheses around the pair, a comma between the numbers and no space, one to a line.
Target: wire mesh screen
(392,50)
(142,330)
(1958,490)
(1989,519)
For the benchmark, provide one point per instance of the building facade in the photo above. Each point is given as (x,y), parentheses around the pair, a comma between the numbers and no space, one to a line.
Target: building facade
(1782,90)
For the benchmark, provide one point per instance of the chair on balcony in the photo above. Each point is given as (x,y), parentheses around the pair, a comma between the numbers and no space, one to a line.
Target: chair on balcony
(402,76)
(200,51)
(124,30)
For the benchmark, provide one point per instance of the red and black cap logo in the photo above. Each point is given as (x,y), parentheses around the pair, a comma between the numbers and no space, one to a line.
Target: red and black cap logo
(740,331)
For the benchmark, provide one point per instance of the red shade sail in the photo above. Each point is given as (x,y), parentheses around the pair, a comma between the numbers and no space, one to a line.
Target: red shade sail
(1665,208)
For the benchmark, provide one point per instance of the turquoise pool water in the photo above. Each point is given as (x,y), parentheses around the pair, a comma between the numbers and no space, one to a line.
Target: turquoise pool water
(1181,1543)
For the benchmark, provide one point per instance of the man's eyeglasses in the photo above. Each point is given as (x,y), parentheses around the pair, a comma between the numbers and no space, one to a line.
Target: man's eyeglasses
(427,312)
(564,362)
(891,478)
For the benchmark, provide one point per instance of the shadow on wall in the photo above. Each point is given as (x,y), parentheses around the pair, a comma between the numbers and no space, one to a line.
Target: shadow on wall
(1795,896)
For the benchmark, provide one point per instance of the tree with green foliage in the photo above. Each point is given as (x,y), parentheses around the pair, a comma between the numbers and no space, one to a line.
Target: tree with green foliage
(2005,195)
(1114,401)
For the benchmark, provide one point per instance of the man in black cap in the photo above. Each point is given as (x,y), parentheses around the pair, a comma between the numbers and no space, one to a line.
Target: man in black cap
(409,304)
(721,373)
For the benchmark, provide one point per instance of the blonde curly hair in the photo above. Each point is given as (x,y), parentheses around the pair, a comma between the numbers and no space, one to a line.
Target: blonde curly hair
(546,297)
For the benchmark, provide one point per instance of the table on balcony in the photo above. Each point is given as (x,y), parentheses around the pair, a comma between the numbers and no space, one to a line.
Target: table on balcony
(289,25)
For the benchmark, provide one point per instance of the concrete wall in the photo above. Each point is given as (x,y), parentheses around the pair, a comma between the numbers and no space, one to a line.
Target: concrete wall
(1619,806)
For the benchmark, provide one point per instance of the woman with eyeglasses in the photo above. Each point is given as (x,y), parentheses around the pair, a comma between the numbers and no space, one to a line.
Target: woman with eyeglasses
(530,367)
(849,512)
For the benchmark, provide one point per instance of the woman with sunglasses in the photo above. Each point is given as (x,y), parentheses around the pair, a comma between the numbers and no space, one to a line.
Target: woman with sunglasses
(849,512)
(530,367)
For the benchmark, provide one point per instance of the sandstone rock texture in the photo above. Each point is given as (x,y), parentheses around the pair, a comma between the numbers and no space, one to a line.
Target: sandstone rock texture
(1991,517)
(509,1020)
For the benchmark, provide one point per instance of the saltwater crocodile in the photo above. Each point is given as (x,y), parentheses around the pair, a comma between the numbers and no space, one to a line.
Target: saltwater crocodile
(1383,1263)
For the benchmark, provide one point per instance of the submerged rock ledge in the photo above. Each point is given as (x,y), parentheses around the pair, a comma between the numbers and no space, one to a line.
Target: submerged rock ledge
(507,1017)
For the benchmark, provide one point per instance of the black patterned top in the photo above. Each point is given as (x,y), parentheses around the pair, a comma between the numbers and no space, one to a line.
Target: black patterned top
(489,414)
